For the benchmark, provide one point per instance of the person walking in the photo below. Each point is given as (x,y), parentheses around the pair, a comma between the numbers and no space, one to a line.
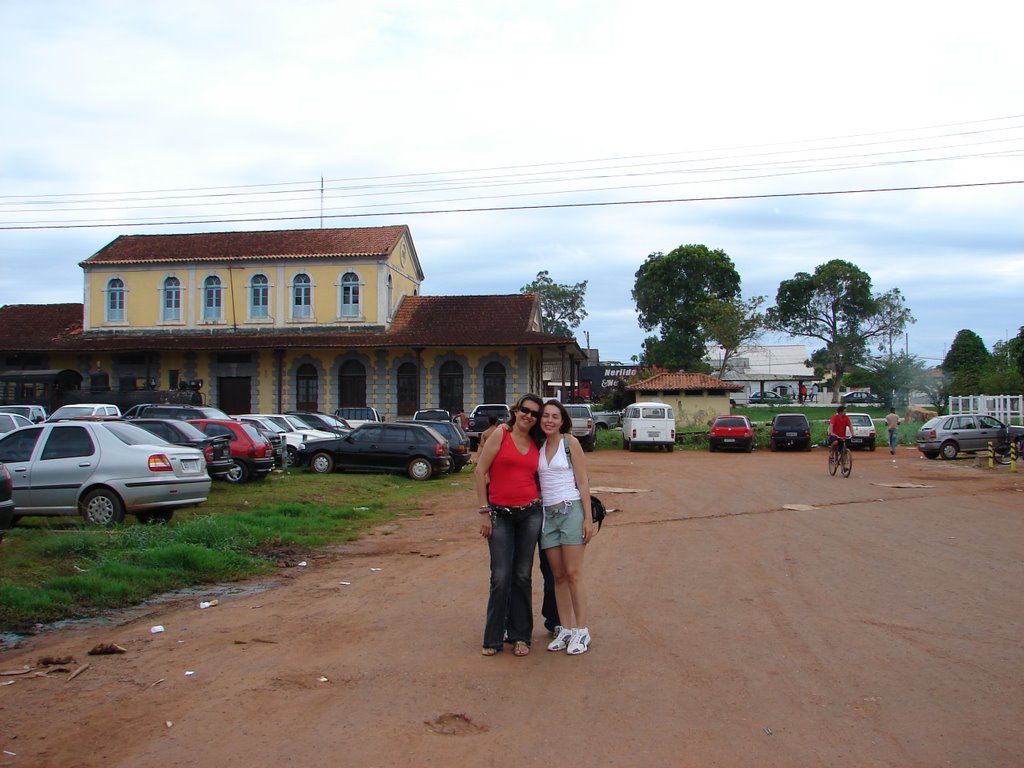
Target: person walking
(892,423)
(568,525)
(511,518)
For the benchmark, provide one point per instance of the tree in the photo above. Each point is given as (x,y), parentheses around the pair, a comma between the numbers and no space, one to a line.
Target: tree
(1001,376)
(890,374)
(965,363)
(674,294)
(561,306)
(733,324)
(836,306)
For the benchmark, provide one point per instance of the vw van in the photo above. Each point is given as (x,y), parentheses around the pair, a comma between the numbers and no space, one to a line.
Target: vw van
(648,424)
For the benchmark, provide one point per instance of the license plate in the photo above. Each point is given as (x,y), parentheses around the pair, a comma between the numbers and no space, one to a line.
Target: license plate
(729,440)
(654,434)
(190,465)
(791,434)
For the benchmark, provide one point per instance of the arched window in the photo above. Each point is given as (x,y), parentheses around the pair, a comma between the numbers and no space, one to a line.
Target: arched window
(352,385)
(259,297)
(115,300)
(450,387)
(408,389)
(306,388)
(212,299)
(494,383)
(172,299)
(302,297)
(350,295)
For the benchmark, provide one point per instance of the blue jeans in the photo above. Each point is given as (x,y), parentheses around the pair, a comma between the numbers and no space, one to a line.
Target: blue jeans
(510,603)
(893,439)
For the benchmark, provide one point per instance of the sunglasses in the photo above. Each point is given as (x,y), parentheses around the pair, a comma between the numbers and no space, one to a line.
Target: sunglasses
(529,412)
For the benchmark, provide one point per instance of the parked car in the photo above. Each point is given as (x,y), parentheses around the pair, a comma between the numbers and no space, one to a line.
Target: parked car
(769,398)
(649,423)
(356,415)
(863,431)
(34,413)
(216,450)
(790,430)
(948,436)
(174,411)
(607,419)
(292,435)
(85,411)
(12,421)
(432,414)
(6,501)
(458,440)
(731,432)
(322,422)
(101,470)
(861,397)
(252,453)
(480,420)
(584,428)
(416,449)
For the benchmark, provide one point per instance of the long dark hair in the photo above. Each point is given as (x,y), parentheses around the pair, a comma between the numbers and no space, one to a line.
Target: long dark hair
(535,432)
(566,425)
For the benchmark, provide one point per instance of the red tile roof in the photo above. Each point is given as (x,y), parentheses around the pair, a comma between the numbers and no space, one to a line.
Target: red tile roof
(683,382)
(244,246)
(427,321)
(35,327)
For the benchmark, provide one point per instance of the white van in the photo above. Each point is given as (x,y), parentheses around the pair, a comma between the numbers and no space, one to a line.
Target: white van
(648,424)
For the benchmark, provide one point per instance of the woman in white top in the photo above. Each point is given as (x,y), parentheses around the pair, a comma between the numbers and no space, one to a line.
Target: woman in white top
(568,524)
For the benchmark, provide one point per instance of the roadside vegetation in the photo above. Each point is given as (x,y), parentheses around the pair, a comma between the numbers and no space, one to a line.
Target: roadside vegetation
(59,568)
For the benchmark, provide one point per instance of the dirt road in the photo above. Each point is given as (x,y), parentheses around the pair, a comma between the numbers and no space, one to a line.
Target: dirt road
(748,610)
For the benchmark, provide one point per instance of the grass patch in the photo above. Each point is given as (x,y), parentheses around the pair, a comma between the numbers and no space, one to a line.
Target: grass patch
(58,568)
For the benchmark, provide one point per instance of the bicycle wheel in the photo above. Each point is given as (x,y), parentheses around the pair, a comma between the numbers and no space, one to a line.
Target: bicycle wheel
(1001,453)
(847,459)
(833,462)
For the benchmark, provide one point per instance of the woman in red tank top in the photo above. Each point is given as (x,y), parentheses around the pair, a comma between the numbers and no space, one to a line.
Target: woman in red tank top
(511,517)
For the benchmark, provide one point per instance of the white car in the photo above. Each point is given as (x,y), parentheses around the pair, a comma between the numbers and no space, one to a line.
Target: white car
(101,470)
(12,421)
(85,410)
(863,431)
(294,432)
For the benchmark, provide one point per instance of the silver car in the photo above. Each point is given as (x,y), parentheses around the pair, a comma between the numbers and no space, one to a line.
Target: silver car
(101,470)
(12,421)
(947,436)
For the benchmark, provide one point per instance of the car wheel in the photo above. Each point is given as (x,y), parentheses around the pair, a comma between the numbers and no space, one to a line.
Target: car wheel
(930,455)
(631,446)
(161,516)
(808,446)
(419,469)
(101,507)
(949,450)
(750,447)
(590,444)
(289,455)
(772,446)
(871,445)
(711,447)
(322,463)
(238,473)
(625,443)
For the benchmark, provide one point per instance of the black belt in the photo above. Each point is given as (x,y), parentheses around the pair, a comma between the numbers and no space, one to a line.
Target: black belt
(503,510)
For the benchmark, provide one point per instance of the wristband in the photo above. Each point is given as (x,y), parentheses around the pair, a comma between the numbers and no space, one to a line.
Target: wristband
(485,510)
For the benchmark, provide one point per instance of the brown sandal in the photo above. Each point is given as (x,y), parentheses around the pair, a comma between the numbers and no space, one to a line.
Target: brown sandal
(520,648)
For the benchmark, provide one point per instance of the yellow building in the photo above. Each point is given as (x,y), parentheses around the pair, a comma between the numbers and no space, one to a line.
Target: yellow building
(284,320)
(696,398)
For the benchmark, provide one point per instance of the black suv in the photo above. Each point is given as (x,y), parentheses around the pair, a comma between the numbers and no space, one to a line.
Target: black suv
(416,449)
(790,430)
(458,440)
(173,411)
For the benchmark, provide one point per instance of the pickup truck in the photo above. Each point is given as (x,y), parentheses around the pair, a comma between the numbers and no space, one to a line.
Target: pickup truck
(479,420)
(607,419)
(583,425)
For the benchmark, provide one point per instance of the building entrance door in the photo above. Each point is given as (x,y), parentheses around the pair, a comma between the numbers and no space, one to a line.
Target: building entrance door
(234,394)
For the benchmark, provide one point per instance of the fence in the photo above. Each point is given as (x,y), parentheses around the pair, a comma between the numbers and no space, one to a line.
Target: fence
(1009,409)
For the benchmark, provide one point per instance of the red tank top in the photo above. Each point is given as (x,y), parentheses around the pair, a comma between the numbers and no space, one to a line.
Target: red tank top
(513,476)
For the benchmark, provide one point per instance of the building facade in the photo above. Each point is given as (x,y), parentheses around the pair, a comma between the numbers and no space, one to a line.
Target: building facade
(284,320)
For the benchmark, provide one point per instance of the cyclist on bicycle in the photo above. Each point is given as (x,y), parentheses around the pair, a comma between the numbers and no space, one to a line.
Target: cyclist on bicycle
(839,426)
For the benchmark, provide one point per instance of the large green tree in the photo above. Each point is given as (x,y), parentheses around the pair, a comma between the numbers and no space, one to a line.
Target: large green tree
(561,306)
(965,363)
(836,306)
(675,294)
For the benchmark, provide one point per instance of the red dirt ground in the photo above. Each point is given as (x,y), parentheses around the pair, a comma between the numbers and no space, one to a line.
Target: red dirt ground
(747,610)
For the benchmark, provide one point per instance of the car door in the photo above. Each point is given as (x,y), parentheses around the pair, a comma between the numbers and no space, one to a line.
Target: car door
(361,448)
(990,430)
(965,431)
(68,458)
(16,452)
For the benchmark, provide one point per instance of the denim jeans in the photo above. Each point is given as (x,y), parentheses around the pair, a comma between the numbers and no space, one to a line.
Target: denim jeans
(893,440)
(510,603)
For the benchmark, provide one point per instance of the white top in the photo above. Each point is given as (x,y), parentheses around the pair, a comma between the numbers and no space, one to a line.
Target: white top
(557,481)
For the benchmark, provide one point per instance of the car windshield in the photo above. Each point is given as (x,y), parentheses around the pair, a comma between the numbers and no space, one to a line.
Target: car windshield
(191,431)
(253,433)
(70,411)
(731,421)
(131,434)
(791,421)
(860,420)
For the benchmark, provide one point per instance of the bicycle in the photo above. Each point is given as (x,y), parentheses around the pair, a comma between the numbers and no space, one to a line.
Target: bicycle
(840,458)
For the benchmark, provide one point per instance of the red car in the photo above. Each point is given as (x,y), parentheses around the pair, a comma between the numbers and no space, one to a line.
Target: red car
(252,452)
(735,432)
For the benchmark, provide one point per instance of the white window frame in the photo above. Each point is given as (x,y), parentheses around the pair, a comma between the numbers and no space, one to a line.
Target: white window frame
(213,314)
(348,289)
(253,306)
(119,294)
(299,311)
(170,314)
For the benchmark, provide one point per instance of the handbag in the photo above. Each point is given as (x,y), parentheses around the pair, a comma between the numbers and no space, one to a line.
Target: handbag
(597,510)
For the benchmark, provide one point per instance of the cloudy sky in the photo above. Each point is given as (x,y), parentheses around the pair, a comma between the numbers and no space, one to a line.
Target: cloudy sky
(514,137)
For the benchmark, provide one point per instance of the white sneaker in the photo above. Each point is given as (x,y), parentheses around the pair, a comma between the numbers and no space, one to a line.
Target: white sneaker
(579,642)
(562,637)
